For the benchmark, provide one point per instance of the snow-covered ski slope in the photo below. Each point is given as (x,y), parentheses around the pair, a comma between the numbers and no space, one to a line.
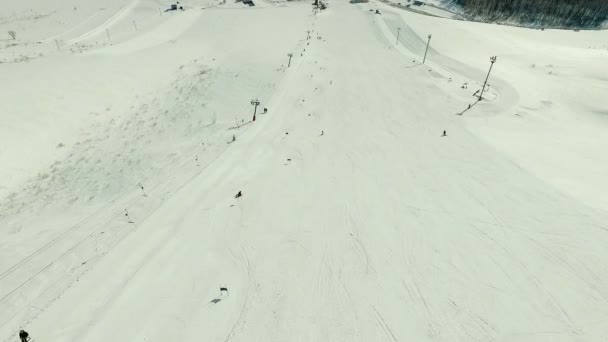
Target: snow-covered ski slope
(358,221)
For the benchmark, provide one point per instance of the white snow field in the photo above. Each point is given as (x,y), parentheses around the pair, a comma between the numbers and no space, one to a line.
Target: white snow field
(358,220)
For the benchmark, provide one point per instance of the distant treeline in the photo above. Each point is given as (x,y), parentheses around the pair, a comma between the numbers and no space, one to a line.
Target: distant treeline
(546,13)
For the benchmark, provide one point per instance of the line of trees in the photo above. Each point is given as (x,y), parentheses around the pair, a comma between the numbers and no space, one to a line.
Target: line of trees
(546,13)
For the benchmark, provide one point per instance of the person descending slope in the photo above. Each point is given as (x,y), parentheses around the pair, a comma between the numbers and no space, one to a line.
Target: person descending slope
(24,336)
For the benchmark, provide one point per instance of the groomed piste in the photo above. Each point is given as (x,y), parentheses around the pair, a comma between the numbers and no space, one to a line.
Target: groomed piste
(229,172)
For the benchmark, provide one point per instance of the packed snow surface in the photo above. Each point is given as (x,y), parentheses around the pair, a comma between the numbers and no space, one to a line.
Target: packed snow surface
(126,132)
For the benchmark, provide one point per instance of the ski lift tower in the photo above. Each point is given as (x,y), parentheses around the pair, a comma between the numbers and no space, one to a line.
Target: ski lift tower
(255,103)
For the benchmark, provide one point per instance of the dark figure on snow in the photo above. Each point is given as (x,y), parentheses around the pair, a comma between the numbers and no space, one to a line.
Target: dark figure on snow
(239,194)
(24,336)
(265,110)
(445,134)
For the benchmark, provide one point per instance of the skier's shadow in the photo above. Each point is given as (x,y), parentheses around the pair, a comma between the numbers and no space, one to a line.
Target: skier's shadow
(222,290)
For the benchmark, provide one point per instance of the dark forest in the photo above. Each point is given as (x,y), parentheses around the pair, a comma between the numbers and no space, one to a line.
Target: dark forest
(545,13)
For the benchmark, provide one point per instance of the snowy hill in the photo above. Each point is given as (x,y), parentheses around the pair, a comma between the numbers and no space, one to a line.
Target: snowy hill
(126,132)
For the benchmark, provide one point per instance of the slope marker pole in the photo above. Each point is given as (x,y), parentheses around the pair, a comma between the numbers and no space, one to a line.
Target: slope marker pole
(427,48)
(398,31)
(492,61)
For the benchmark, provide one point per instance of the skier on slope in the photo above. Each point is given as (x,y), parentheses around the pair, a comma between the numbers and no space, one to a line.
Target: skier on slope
(24,336)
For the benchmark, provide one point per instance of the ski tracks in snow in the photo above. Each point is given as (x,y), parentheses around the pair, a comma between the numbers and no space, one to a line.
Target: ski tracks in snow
(385,327)
(239,324)
(358,245)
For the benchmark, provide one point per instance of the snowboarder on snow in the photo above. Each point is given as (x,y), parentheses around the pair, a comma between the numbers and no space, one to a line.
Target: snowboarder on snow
(445,134)
(24,336)
(239,194)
